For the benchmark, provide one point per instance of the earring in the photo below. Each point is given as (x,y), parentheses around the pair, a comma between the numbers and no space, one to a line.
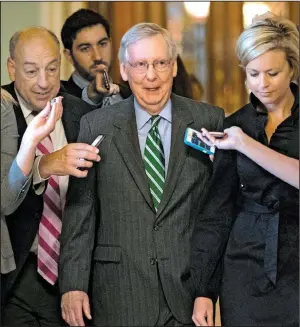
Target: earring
(247,88)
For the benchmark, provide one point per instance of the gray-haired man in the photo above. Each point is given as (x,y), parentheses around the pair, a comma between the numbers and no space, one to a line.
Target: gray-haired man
(128,225)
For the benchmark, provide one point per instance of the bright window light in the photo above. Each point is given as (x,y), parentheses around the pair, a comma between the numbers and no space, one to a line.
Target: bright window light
(251,9)
(197,9)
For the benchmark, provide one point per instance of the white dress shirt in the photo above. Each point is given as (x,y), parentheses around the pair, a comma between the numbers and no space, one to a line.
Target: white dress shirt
(59,140)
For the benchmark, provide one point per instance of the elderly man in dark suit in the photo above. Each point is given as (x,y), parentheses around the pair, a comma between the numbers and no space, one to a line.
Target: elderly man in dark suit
(128,225)
(30,293)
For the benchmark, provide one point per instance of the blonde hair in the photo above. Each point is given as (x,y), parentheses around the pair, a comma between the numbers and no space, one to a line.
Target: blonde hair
(276,33)
(6,98)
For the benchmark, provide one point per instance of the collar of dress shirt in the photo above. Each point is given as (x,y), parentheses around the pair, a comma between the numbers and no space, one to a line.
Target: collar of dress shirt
(79,80)
(142,116)
(24,106)
(295,108)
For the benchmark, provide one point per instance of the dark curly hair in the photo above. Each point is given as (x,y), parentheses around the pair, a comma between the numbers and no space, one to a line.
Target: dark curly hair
(80,19)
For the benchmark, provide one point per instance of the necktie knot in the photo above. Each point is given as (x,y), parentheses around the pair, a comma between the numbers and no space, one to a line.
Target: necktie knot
(155,120)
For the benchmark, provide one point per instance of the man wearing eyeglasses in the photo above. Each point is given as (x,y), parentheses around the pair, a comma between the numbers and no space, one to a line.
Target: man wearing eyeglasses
(125,244)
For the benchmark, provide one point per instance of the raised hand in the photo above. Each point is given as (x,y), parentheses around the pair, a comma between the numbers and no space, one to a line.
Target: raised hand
(41,126)
(233,139)
(43,123)
(96,89)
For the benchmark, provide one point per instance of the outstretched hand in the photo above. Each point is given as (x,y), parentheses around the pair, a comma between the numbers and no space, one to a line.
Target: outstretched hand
(68,159)
(233,139)
(96,90)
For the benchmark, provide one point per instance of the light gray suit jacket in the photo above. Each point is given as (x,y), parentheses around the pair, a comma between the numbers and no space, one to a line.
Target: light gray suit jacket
(14,185)
(113,243)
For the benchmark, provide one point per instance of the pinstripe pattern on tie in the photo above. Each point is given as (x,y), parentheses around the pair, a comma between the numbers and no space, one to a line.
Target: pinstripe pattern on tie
(50,224)
(154,160)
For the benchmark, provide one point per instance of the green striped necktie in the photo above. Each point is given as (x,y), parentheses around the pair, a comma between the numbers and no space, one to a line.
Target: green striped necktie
(154,160)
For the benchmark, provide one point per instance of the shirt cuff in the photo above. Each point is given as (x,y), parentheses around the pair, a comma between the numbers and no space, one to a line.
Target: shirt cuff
(16,179)
(87,99)
(38,181)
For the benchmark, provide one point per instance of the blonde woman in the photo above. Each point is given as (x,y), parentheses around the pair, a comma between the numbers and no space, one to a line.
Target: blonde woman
(246,243)
(16,165)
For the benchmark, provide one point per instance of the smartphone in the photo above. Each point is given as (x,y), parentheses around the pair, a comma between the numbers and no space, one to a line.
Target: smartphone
(217,135)
(106,80)
(54,100)
(96,143)
(98,140)
(192,139)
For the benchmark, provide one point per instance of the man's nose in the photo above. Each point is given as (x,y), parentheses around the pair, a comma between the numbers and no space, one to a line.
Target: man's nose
(43,80)
(151,72)
(96,54)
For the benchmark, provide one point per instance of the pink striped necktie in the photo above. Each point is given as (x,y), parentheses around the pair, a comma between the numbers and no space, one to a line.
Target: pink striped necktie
(50,224)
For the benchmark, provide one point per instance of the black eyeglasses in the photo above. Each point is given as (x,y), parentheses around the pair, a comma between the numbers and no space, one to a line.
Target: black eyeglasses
(141,67)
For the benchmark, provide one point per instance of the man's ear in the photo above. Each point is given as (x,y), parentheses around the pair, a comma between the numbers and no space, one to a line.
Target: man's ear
(68,56)
(123,72)
(11,69)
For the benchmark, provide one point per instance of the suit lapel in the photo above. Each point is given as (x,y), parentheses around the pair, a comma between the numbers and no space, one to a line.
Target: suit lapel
(70,120)
(70,126)
(127,142)
(181,117)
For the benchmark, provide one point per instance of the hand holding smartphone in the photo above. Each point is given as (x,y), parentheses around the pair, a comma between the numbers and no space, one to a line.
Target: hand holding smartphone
(233,138)
(211,138)
(98,140)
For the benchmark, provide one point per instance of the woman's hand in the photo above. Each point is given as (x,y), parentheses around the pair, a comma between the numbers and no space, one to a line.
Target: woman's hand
(233,140)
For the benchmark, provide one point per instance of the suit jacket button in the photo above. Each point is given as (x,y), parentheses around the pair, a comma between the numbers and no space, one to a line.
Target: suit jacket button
(152,261)
(156,227)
